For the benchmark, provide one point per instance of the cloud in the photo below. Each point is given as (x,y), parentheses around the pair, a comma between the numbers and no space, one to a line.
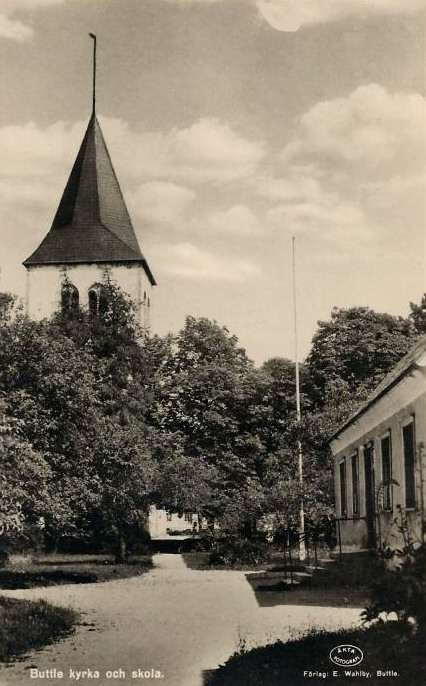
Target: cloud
(187,261)
(370,127)
(237,220)
(355,162)
(291,15)
(209,150)
(161,201)
(188,3)
(32,151)
(300,183)
(332,219)
(15,29)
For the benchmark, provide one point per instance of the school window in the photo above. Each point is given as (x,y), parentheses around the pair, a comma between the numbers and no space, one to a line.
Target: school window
(409,464)
(188,517)
(355,484)
(342,474)
(386,449)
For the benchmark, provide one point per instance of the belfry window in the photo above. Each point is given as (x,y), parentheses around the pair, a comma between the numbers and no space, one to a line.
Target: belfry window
(98,301)
(69,298)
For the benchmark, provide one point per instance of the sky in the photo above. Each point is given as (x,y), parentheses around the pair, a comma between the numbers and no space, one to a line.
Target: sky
(233,125)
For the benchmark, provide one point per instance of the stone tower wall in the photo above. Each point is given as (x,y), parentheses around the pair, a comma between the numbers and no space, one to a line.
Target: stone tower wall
(44,283)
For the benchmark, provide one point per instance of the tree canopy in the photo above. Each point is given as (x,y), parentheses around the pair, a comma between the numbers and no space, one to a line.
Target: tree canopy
(99,418)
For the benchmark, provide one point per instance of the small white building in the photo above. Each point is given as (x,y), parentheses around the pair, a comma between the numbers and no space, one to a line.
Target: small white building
(162,523)
(379,459)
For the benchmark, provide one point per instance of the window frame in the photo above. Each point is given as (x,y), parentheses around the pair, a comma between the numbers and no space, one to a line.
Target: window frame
(387,487)
(410,422)
(355,492)
(343,489)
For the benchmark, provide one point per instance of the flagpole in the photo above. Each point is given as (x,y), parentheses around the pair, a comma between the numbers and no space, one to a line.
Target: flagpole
(92,35)
(302,544)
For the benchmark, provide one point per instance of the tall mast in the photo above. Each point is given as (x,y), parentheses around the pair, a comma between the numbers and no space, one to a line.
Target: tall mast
(92,35)
(302,544)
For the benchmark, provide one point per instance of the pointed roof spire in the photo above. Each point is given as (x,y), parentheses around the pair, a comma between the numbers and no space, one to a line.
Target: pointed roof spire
(92,223)
(92,35)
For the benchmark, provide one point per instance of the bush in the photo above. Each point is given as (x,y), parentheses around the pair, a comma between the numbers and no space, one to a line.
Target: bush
(238,551)
(402,590)
(385,647)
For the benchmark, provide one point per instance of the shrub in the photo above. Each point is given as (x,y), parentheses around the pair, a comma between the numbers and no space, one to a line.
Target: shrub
(238,551)
(402,590)
(388,646)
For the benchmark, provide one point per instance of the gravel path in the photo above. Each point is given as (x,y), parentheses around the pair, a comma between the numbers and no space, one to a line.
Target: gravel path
(174,621)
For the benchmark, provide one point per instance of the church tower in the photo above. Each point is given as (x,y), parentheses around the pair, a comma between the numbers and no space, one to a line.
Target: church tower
(91,235)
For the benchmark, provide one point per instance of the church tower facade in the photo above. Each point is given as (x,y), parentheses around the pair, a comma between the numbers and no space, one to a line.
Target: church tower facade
(91,236)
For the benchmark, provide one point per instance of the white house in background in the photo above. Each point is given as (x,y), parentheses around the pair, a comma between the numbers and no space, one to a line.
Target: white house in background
(379,457)
(161,522)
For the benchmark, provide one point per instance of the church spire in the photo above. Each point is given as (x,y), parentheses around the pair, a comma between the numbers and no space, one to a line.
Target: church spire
(92,35)
(91,224)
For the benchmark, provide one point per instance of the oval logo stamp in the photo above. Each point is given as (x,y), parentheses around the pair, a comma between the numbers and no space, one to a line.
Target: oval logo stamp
(346,655)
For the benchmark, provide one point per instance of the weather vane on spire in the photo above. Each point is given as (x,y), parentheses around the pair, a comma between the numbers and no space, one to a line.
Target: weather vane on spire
(92,35)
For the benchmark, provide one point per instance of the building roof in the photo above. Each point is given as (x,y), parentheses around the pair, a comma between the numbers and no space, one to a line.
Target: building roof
(410,360)
(92,223)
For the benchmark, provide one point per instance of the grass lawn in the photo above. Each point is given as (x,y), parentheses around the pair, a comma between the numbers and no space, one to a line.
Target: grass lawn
(50,570)
(26,625)
(386,647)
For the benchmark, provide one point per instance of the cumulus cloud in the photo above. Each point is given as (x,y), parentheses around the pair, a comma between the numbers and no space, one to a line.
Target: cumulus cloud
(298,184)
(161,201)
(209,150)
(291,15)
(188,261)
(188,3)
(331,218)
(370,127)
(13,28)
(237,220)
(356,161)
(29,150)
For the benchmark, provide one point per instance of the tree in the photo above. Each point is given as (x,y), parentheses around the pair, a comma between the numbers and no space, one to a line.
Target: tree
(24,478)
(418,315)
(205,394)
(126,478)
(357,347)
(124,359)
(79,388)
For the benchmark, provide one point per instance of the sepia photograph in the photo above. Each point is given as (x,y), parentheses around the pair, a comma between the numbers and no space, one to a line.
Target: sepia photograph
(212,343)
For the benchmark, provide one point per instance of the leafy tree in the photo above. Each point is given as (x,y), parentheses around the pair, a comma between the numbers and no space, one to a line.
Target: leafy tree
(126,477)
(24,478)
(206,390)
(357,347)
(418,315)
